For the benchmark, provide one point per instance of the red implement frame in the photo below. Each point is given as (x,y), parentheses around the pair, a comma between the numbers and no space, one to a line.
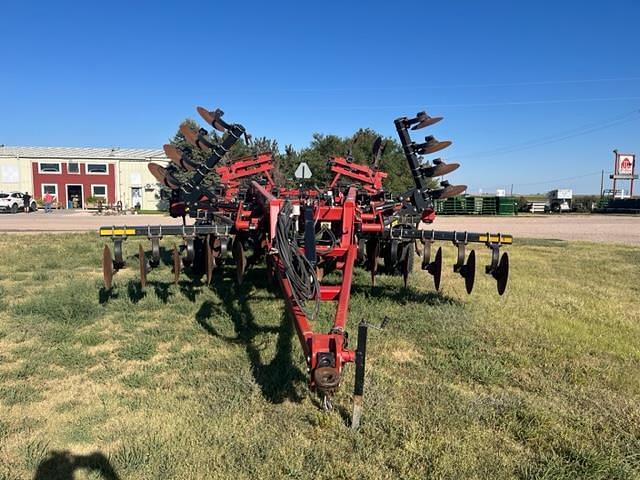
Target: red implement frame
(344,254)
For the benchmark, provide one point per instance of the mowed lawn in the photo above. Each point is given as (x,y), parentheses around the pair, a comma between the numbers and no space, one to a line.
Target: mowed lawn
(189,381)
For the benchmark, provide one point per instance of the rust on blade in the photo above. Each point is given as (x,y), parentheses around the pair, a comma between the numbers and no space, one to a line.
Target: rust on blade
(194,138)
(432,145)
(208,116)
(212,118)
(107,267)
(161,175)
(211,261)
(440,169)
(426,122)
(158,172)
(444,169)
(449,191)
(176,156)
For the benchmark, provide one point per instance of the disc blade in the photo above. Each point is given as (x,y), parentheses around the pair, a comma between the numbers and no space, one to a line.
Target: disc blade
(502,273)
(436,269)
(426,255)
(143,266)
(426,122)
(206,115)
(241,260)
(212,118)
(211,261)
(162,175)
(444,169)
(407,261)
(373,252)
(470,271)
(177,157)
(158,172)
(194,138)
(173,153)
(107,267)
(176,264)
(439,170)
(188,134)
(447,192)
(432,146)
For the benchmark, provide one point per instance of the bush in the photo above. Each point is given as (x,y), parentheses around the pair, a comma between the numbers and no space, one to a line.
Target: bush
(95,200)
(522,204)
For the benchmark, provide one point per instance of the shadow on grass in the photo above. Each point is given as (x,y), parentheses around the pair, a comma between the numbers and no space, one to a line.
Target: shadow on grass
(279,377)
(135,291)
(403,294)
(104,295)
(62,465)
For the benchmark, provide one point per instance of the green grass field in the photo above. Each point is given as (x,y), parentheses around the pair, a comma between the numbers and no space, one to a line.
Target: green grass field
(193,382)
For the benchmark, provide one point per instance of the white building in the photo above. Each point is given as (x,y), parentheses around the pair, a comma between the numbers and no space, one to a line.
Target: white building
(111,174)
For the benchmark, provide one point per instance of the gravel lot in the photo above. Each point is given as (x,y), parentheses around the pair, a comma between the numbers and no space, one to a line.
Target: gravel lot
(623,229)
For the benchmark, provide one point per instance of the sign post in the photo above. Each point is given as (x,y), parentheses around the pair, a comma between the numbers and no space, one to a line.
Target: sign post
(624,169)
(303,172)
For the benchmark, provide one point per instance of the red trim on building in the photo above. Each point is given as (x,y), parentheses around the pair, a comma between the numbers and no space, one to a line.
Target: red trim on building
(65,178)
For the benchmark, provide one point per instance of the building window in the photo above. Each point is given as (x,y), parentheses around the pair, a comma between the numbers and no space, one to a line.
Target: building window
(97,168)
(73,167)
(99,191)
(48,167)
(51,188)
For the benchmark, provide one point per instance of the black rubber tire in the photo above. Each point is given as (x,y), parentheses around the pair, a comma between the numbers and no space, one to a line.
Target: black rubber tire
(14,208)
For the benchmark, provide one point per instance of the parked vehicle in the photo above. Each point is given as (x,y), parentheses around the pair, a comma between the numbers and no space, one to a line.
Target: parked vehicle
(560,200)
(14,203)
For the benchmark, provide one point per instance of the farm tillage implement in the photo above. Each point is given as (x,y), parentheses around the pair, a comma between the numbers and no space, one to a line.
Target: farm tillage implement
(302,234)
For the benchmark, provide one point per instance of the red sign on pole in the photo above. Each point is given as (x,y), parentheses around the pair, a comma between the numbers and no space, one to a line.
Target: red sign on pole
(625,163)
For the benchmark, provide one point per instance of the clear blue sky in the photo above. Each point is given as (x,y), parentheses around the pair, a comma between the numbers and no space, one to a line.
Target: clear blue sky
(502,73)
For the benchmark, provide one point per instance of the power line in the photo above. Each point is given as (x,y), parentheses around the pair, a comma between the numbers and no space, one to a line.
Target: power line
(546,140)
(543,182)
(417,107)
(443,86)
(553,180)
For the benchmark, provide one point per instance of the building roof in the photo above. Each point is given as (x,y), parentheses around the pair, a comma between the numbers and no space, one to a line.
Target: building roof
(79,153)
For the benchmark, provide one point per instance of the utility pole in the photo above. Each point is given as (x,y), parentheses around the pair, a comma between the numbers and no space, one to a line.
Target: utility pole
(615,171)
(602,184)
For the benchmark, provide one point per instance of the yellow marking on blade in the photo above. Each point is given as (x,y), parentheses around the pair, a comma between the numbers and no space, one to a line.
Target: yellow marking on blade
(496,238)
(107,232)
